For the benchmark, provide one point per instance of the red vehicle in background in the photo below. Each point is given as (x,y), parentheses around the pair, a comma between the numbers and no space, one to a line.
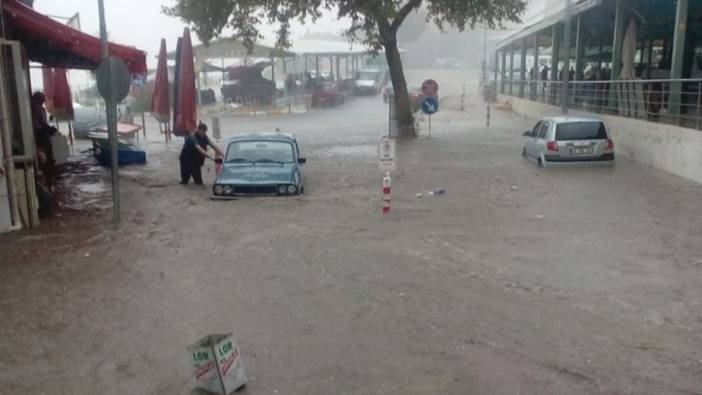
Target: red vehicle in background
(415,95)
(328,94)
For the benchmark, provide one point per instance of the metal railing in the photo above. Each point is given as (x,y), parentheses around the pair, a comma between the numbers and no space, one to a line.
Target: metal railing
(671,101)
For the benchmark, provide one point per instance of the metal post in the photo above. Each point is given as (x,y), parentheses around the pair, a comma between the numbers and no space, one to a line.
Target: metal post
(555,57)
(511,71)
(338,68)
(6,143)
(70,133)
(488,115)
(143,125)
(699,102)
(522,68)
(429,125)
(331,66)
(199,89)
(617,53)
(275,85)
(484,55)
(111,114)
(618,40)
(649,59)
(678,56)
(504,72)
(579,49)
(316,66)
(463,97)
(537,74)
(223,69)
(496,68)
(566,62)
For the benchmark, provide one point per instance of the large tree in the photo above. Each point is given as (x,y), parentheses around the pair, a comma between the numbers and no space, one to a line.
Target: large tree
(373,22)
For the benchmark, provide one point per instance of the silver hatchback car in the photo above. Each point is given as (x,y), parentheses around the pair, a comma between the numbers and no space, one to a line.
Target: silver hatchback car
(567,140)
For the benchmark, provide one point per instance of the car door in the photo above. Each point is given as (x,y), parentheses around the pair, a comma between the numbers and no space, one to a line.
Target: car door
(530,144)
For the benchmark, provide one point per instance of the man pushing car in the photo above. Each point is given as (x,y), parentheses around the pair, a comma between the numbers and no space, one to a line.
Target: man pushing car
(194,153)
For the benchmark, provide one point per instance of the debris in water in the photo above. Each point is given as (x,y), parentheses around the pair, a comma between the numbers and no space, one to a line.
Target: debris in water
(438,192)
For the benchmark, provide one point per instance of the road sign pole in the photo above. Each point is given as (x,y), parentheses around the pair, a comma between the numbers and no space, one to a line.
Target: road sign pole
(111,115)
(488,114)
(566,62)
(429,125)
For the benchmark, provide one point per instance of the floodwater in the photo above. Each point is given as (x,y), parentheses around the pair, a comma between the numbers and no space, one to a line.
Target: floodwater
(577,281)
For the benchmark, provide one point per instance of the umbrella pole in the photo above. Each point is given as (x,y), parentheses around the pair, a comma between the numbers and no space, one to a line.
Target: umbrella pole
(143,124)
(70,133)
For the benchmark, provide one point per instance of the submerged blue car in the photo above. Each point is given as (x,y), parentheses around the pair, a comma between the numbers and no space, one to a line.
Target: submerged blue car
(260,164)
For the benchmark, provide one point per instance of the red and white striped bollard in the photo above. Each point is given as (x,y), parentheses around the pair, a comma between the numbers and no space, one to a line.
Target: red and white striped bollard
(387,193)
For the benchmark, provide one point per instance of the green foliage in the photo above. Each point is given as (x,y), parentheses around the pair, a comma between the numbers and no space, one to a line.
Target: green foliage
(373,21)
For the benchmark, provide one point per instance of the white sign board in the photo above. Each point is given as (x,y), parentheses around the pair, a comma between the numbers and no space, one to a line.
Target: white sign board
(386,154)
(217,364)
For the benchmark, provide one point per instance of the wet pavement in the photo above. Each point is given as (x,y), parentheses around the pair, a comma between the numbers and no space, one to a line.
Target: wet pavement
(578,281)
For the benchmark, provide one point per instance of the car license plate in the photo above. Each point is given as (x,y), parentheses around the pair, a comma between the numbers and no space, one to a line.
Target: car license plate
(583,151)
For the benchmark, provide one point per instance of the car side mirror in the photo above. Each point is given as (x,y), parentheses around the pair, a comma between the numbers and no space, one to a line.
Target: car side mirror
(527,133)
(302,161)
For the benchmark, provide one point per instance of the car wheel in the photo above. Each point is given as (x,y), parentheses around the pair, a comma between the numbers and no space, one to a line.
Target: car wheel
(541,163)
(524,154)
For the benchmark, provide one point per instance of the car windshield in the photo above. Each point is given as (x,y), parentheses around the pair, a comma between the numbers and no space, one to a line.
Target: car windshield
(367,75)
(581,131)
(260,151)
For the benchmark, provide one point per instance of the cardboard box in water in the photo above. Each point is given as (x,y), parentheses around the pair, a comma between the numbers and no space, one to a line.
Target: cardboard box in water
(217,364)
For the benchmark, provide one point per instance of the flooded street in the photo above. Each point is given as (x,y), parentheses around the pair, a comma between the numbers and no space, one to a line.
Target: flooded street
(518,281)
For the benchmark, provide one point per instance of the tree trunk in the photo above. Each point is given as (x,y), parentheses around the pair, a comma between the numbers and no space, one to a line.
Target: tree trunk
(403,109)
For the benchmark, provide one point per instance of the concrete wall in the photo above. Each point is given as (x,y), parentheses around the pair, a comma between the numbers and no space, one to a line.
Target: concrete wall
(670,148)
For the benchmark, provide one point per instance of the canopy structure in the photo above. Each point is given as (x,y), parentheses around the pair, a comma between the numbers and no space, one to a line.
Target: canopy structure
(230,48)
(580,7)
(327,48)
(233,48)
(54,44)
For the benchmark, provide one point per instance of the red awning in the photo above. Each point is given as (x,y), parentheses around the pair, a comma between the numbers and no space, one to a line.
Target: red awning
(56,45)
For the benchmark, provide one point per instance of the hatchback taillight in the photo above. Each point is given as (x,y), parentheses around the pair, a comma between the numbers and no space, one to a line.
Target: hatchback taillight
(610,144)
(552,146)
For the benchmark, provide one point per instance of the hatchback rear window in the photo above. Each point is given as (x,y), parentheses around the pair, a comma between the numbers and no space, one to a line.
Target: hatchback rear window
(581,131)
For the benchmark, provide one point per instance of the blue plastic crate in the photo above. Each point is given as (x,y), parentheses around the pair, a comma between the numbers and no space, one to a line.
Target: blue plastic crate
(125,156)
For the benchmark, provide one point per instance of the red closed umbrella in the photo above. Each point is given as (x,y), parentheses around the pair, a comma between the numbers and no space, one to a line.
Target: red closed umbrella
(160,102)
(48,77)
(186,118)
(63,99)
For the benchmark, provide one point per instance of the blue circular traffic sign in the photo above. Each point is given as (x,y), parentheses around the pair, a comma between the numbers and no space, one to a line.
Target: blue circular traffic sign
(430,105)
